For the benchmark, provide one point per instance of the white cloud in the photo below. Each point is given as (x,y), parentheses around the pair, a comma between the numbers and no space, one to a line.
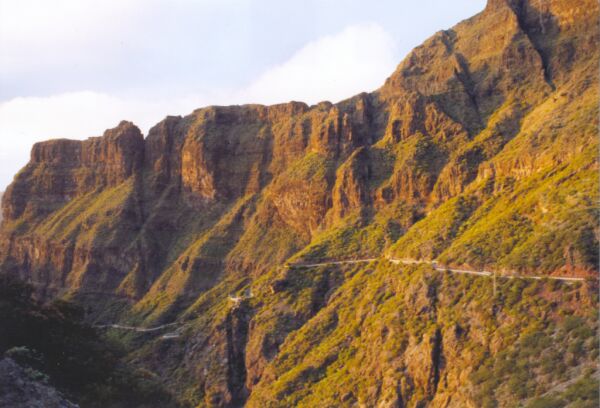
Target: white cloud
(331,68)
(77,115)
(34,32)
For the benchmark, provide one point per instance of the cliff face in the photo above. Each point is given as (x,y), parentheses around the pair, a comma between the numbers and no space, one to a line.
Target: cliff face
(479,151)
(19,390)
(61,170)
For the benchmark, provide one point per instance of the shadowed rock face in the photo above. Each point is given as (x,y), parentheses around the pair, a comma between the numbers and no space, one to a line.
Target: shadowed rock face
(17,389)
(456,157)
(480,78)
(60,170)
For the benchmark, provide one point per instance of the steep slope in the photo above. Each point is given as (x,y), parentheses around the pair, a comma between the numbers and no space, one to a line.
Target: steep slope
(396,337)
(480,151)
(18,389)
(48,351)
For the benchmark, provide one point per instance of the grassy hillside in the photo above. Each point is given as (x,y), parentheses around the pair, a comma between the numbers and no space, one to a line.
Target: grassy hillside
(386,334)
(56,347)
(480,152)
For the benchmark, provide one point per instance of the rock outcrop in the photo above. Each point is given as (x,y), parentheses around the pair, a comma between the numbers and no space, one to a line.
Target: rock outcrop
(60,170)
(479,150)
(20,389)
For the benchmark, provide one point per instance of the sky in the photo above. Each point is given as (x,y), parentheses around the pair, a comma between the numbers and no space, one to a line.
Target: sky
(73,68)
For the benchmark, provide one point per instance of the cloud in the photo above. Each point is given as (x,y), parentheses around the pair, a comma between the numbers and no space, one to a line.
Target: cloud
(31,29)
(77,115)
(331,68)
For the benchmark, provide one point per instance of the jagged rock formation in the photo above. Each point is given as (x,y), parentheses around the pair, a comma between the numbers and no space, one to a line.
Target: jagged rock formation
(479,150)
(19,390)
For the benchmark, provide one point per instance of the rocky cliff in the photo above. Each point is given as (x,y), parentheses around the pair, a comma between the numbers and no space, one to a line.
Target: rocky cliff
(479,151)
(20,389)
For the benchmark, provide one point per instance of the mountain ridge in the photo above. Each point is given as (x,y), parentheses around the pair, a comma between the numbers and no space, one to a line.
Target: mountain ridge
(479,151)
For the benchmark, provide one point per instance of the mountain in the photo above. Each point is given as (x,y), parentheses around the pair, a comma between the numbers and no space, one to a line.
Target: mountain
(479,153)
(17,389)
(51,357)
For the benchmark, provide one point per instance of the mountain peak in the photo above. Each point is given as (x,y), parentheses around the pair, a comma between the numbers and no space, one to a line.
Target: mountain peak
(308,248)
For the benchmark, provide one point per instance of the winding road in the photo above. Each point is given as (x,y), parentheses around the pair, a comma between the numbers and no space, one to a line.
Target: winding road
(134,328)
(326,263)
(167,336)
(437,267)
(396,261)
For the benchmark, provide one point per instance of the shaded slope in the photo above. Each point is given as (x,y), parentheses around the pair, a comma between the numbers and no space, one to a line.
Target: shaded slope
(480,150)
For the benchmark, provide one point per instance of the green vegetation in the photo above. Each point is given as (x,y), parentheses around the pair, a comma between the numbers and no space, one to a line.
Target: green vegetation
(477,152)
(397,312)
(53,343)
(581,394)
(534,226)
(430,236)
(359,235)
